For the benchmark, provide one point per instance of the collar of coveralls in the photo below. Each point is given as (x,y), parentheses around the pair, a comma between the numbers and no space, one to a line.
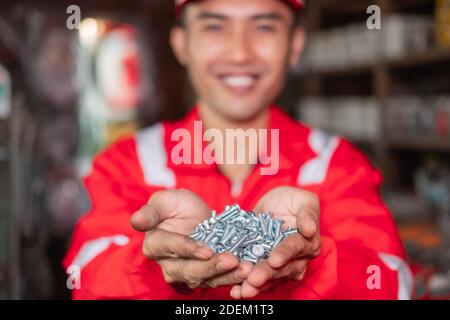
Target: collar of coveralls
(292,137)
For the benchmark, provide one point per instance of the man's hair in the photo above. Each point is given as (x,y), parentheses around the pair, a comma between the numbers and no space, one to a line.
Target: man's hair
(181,18)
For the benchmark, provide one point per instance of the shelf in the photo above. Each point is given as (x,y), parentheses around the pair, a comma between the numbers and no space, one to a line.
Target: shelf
(336,7)
(422,73)
(434,56)
(366,141)
(419,143)
(422,58)
(344,72)
(407,143)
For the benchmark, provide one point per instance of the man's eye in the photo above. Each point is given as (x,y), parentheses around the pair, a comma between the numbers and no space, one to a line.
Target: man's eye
(266,28)
(213,27)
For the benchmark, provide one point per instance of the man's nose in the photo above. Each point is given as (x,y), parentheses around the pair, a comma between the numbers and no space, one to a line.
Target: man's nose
(239,49)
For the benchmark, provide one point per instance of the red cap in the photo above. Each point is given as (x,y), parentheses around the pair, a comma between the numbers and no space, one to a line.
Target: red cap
(295,4)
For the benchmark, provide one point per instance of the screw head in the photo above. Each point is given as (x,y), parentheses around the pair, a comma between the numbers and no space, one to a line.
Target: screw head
(258,250)
(219,247)
(219,226)
(239,225)
(252,234)
(267,239)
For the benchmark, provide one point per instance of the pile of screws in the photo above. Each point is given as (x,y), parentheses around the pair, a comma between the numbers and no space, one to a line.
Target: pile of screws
(248,236)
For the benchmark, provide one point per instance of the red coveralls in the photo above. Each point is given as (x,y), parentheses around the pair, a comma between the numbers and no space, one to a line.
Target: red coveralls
(359,236)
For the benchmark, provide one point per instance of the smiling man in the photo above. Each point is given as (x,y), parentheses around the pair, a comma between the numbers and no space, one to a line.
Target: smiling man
(237,54)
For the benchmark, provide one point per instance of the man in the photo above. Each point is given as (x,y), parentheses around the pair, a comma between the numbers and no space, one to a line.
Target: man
(237,54)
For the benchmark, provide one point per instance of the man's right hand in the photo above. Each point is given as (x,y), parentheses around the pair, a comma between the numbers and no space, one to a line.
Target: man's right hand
(168,219)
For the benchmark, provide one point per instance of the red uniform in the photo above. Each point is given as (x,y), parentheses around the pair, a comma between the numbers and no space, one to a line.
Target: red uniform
(362,256)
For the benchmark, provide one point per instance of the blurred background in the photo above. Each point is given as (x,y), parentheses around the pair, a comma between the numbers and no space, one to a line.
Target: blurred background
(66,94)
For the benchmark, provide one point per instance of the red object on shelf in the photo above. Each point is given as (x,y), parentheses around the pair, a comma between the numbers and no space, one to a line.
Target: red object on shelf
(442,122)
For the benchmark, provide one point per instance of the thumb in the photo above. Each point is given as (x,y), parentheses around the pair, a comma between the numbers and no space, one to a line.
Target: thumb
(307,221)
(145,219)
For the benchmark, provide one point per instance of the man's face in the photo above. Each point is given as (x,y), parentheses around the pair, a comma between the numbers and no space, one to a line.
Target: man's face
(237,53)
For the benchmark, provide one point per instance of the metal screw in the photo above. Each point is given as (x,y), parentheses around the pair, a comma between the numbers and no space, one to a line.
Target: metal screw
(258,250)
(219,247)
(211,235)
(277,227)
(278,240)
(267,239)
(238,243)
(248,236)
(252,241)
(290,231)
(251,259)
(239,225)
(270,228)
(206,225)
(220,226)
(229,236)
(229,216)
(262,224)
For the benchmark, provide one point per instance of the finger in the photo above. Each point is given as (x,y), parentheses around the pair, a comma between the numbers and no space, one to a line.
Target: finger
(249,291)
(236,276)
(146,218)
(160,244)
(300,267)
(196,272)
(292,247)
(308,220)
(161,206)
(294,270)
(235,292)
(261,274)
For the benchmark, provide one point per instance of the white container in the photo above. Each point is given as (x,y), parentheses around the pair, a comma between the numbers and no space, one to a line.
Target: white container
(372,119)
(337,53)
(314,112)
(356,37)
(403,34)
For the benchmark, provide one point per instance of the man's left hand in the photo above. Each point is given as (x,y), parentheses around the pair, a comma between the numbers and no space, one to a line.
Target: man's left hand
(299,209)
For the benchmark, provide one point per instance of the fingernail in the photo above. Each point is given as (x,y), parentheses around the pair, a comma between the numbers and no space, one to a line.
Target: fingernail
(203,252)
(235,292)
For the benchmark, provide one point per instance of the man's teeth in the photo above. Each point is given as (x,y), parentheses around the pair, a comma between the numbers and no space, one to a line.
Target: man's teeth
(239,81)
